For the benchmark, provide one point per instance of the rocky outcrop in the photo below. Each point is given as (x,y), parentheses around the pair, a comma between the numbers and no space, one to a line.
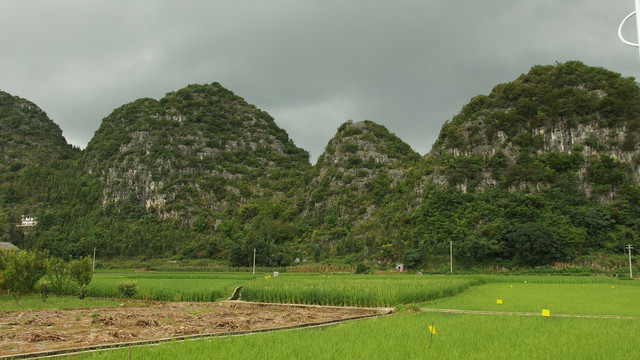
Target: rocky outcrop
(567,109)
(361,164)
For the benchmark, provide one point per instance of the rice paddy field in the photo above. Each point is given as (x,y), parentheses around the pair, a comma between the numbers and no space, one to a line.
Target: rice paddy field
(499,316)
(355,290)
(622,299)
(406,336)
(318,289)
(169,286)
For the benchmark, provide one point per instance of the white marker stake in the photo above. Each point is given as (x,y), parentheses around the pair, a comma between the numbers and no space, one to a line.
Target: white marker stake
(630,269)
(636,12)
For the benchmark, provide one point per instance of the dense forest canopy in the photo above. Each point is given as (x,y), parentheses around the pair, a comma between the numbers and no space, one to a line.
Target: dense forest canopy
(544,169)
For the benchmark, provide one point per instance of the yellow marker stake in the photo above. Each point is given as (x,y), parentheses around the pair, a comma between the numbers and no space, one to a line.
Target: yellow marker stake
(499,301)
(546,312)
(432,331)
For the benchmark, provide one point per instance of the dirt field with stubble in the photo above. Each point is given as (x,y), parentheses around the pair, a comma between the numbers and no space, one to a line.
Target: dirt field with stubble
(54,331)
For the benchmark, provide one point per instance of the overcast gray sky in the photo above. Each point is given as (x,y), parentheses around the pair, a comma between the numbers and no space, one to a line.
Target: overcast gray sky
(409,65)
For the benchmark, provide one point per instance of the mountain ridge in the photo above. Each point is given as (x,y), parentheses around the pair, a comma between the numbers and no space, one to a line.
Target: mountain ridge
(542,169)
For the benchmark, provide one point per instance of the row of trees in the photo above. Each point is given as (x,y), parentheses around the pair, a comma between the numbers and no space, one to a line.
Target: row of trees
(556,223)
(20,271)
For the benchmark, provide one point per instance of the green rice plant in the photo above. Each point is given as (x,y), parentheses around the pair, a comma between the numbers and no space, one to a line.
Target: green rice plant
(588,299)
(169,286)
(406,336)
(354,290)
(319,268)
(547,279)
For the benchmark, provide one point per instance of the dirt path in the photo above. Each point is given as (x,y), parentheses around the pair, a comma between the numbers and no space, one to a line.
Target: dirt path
(513,313)
(53,331)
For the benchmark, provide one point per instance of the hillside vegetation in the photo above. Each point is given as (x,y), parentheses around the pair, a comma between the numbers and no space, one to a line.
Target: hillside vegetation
(36,163)
(543,170)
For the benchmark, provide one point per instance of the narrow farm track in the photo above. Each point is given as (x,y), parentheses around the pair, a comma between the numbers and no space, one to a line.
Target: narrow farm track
(515,313)
(236,293)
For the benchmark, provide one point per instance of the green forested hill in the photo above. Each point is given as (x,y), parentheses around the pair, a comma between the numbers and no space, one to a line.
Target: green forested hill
(200,148)
(28,137)
(183,176)
(33,158)
(356,178)
(360,166)
(543,169)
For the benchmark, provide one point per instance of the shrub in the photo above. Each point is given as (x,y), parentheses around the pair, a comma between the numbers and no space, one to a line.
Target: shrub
(45,288)
(128,289)
(82,292)
(362,268)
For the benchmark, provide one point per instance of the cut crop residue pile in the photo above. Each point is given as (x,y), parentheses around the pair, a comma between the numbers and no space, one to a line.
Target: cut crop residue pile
(49,330)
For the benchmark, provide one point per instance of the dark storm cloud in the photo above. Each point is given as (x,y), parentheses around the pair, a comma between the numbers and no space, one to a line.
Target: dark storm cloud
(409,65)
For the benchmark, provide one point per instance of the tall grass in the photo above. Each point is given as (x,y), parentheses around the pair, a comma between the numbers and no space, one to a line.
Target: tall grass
(320,268)
(548,279)
(354,290)
(170,286)
(405,336)
(304,288)
(589,299)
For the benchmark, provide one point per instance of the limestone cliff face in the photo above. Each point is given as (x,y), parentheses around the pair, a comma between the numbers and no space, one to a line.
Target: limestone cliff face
(199,149)
(556,120)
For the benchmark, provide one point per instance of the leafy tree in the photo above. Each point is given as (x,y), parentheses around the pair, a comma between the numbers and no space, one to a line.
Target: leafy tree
(22,270)
(238,257)
(476,250)
(413,257)
(58,276)
(81,270)
(532,244)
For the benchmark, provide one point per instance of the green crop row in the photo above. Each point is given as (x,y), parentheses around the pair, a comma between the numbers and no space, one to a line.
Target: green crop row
(170,286)
(354,290)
